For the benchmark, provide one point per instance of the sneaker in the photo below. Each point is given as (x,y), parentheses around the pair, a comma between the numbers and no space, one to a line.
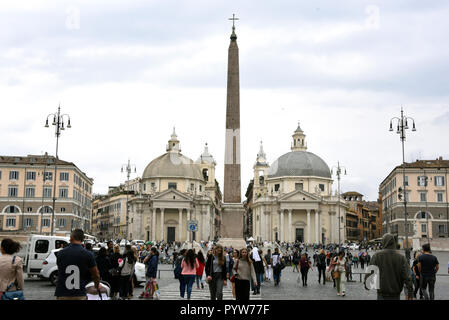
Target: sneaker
(338,293)
(202,286)
(343,294)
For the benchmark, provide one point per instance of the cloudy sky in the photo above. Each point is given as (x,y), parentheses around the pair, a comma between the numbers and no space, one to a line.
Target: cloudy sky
(128,71)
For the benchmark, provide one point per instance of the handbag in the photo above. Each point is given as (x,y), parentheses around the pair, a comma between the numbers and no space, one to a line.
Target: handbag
(13,295)
(236,269)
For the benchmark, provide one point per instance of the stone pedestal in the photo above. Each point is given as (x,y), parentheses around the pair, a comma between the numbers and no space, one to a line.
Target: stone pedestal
(231,226)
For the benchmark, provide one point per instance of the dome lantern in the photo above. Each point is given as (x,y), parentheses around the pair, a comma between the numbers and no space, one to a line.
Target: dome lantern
(299,140)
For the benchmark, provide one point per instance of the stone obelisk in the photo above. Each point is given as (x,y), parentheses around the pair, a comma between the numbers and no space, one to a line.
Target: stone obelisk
(231,227)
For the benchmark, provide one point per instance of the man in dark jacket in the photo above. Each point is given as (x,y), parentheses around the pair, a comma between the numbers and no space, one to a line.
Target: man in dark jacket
(394,271)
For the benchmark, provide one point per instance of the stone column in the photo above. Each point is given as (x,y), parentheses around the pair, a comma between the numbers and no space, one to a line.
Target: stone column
(289,238)
(188,218)
(162,224)
(308,226)
(331,225)
(317,231)
(282,226)
(261,224)
(180,224)
(153,225)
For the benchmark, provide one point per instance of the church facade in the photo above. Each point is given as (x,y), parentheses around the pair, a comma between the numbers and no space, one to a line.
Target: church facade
(292,200)
(174,190)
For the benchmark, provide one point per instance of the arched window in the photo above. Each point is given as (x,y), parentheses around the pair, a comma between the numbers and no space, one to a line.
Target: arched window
(12,209)
(206,174)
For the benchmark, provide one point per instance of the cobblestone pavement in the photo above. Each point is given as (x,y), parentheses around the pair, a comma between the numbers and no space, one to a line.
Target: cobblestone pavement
(289,289)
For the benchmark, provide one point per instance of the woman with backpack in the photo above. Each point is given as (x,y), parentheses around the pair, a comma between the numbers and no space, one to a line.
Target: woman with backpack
(243,273)
(152,261)
(189,265)
(200,269)
(321,266)
(11,271)
(216,271)
(115,271)
(126,266)
(305,265)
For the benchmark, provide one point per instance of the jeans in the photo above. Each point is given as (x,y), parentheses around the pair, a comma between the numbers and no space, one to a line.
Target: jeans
(242,290)
(269,272)
(322,271)
(216,287)
(189,279)
(199,279)
(428,281)
(304,272)
(276,275)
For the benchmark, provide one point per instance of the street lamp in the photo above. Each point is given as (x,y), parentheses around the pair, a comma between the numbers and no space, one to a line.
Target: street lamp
(402,125)
(338,173)
(128,168)
(58,122)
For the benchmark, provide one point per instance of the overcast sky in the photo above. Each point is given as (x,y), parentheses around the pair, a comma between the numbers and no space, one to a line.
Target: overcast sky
(128,71)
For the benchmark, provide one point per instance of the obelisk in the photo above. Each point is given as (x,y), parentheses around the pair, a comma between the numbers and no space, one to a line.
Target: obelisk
(231,227)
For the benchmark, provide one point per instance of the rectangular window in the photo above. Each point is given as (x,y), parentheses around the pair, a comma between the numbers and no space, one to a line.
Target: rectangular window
(28,222)
(61,223)
(0,175)
(442,229)
(422,196)
(172,185)
(276,187)
(201,188)
(31,175)
(10,222)
(406,181)
(439,181)
(29,192)
(424,227)
(29,209)
(321,187)
(48,176)
(64,176)
(63,192)
(46,223)
(440,197)
(422,181)
(192,187)
(13,175)
(62,209)
(47,192)
(12,192)
(153,186)
(299,186)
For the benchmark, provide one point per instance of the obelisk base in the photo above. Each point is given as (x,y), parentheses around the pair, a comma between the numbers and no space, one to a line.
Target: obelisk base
(231,226)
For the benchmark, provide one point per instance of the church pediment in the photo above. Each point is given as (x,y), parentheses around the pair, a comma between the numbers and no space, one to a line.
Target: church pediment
(172,194)
(299,196)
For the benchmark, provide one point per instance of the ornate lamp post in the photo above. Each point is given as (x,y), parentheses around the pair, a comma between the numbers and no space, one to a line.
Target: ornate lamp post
(338,173)
(128,168)
(58,122)
(402,125)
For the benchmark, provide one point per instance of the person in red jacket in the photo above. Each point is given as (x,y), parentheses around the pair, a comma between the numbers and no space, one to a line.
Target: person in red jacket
(200,270)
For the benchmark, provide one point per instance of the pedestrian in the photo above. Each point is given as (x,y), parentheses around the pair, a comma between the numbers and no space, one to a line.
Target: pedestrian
(394,271)
(200,269)
(328,258)
(216,271)
(189,265)
(104,265)
(115,271)
(244,271)
(134,277)
(178,269)
(417,277)
(278,264)
(268,266)
(296,258)
(151,261)
(126,265)
(362,261)
(76,266)
(234,258)
(428,266)
(11,271)
(339,272)
(321,266)
(258,268)
(305,265)
(110,250)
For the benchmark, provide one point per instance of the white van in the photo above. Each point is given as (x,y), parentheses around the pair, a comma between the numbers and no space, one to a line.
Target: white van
(38,249)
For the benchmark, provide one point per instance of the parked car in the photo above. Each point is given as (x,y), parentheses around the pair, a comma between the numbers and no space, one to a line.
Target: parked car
(354,246)
(49,270)
(138,242)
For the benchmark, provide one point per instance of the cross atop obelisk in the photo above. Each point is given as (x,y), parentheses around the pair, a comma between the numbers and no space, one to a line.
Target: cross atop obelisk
(233,35)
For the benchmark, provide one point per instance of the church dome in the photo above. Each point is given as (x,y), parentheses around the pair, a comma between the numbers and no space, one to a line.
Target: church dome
(172,164)
(299,163)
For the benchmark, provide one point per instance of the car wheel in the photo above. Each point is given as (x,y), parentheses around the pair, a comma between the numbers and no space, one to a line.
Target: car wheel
(54,278)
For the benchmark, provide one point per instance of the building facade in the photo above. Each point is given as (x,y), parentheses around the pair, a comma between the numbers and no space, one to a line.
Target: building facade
(27,190)
(425,192)
(292,199)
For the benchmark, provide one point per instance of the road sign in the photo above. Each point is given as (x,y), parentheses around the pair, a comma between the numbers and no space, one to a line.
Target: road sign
(192,225)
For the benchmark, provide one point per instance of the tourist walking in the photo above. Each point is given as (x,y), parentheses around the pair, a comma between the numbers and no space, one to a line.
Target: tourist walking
(339,271)
(151,261)
(115,271)
(244,272)
(11,271)
(75,259)
(216,271)
(416,276)
(268,265)
(178,270)
(258,268)
(104,265)
(428,266)
(394,271)
(295,261)
(189,265)
(234,257)
(277,264)
(200,270)
(305,265)
(126,265)
(321,266)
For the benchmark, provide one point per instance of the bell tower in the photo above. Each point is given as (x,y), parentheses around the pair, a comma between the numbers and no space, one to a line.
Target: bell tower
(299,140)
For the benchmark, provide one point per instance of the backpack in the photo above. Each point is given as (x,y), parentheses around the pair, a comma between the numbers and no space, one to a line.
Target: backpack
(178,269)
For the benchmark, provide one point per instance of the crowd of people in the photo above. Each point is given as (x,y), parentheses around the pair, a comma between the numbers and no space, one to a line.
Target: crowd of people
(246,269)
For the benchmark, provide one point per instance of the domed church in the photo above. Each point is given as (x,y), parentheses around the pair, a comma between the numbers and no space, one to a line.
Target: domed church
(174,189)
(291,200)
